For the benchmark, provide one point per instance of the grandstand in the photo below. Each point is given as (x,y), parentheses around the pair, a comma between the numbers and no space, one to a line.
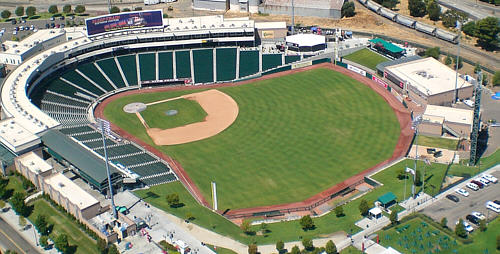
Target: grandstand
(203,64)
(147,63)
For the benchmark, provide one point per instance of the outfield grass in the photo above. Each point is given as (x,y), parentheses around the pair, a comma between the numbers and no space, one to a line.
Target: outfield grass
(188,112)
(294,137)
(291,230)
(445,143)
(366,58)
(63,225)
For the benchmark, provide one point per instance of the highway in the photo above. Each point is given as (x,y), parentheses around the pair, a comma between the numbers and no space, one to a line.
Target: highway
(10,239)
(476,9)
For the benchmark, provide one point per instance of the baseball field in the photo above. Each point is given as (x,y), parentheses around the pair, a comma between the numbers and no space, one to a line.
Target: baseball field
(294,136)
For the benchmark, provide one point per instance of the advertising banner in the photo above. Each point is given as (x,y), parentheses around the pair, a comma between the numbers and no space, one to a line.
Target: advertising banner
(124,21)
(379,81)
(356,69)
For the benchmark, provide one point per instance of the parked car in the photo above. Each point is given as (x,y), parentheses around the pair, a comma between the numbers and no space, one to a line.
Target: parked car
(61,18)
(13,22)
(483,181)
(490,178)
(473,219)
(472,186)
(497,202)
(479,215)
(493,206)
(469,103)
(52,18)
(467,227)
(479,184)
(462,192)
(452,198)
(47,26)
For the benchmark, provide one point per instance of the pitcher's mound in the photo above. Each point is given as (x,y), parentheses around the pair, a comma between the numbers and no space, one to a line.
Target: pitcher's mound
(134,107)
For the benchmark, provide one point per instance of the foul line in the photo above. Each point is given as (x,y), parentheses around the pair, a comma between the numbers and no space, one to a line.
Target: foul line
(142,120)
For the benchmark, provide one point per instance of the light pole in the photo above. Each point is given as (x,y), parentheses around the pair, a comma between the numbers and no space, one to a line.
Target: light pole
(457,63)
(105,129)
(293,18)
(415,123)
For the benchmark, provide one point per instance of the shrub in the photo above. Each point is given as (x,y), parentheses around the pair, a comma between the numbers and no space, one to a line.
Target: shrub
(67,8)
(31,11)
(306,222)
(5,14)
(363,207)
(53,9)
(339,211)
(80,9)
(252,249)
(114,9)
(19,11)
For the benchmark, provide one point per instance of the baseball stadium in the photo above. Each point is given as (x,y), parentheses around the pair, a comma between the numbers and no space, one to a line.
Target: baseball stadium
(197,100)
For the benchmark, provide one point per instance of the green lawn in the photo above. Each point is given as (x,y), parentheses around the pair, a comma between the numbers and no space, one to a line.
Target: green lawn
(221,250)
(446,143)
(15,184)
(294,137)
(351,250)
(485,163)
(63,225)
(366,58)
(188,112)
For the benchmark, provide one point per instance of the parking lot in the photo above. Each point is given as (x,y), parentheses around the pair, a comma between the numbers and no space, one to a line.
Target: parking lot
(475,202)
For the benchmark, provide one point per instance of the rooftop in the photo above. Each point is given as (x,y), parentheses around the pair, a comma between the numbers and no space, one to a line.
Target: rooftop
(454,115)
(13,134)
(34,163)
(387,45)
(428,75)
(19,47)
(307,40)
(206,22)
(270,25)
(71,191)
(316,4)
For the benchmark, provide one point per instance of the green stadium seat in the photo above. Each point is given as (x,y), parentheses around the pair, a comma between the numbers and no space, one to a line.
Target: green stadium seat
(203,63)
(147,65)
(183,64)
(226,64)
(129,68)
(166,65)
(249,62)
(93,73)
(109,67)
(270,61)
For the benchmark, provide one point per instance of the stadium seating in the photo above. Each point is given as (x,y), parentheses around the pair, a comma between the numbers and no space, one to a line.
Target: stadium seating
(129,68)
(147,65)
(270,61)
(226,64)
(109,67)
(93,73)
(166,69)
(183,64)
(203,63)
(76,129)
(166,178)
(249,62)
(291,59)
(82,83)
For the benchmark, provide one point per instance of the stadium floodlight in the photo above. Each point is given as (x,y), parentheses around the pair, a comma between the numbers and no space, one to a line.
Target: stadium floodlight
(414,125)
(457,63)
(106,130)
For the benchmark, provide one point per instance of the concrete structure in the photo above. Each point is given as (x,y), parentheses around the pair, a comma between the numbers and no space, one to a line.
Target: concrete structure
(14,53)
(74,199)
(33,168)
(270,30)
(427,81)
(251,6)
(15,137)
(438,120)
(307,8)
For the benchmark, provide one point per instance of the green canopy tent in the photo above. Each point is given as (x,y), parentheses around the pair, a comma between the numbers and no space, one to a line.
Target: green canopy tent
(387,200)
(386,48)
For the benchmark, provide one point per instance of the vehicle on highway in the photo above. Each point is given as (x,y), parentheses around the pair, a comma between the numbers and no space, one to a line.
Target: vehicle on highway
(478,215)
(473,219)
(462,192)
(483,181)
(467,227)
(493,206)
(490,178)
(452,198)
(472,186)
(479,184)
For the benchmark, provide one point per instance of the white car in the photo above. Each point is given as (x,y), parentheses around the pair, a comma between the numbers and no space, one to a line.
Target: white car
(472,186)
(478,215)
(469,103)
(467,227)
(483,181)
(490,178)
(462,192)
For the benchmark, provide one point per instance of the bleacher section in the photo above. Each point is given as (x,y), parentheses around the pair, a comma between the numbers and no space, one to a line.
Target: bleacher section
(129,68)
(249,62)
(166,69)
(183,64)
(226,64)
(270,61)
(109,67)
(147,65)
(93,73)
(291,59)
(81,82)
(203,63)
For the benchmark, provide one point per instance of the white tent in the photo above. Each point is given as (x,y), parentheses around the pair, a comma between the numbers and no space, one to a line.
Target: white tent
(306,42)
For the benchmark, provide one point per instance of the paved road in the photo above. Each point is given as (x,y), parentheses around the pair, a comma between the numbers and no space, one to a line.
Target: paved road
(475,9)
(10,239)
(475,202)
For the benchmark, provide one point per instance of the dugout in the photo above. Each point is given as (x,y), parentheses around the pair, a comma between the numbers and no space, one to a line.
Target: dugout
(306,42)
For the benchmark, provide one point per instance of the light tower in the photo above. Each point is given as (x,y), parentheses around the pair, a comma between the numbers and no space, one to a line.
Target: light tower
(476,124)
(105,129)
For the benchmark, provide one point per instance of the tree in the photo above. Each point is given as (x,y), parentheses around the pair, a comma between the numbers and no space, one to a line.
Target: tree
(450,18)
(138,8)
(469,28)
(22,221)
(460,229)
(264,228)
(189,216)
(496,79)
(482,225)
(102,246)
(306,222)
(391,4)
(348,9)
(19,11)
(307,243)
(339,211)
(330,248)
(434,10)
(5,14)
(363,207)
(448,60)
(53,9)
(61,243)
(433,52)
(114,9)
(460,64)
(245,226)
(477,68)
(295,250)
(417,8)
(252,249)
(280,245)
(17,201)
(112,249)
(67,8)
(444,222)
(487,30)
(44,241)
(498,242)
(30,11)
(41,224)
(79,9)
(173,200)
(393,217)
(2,205)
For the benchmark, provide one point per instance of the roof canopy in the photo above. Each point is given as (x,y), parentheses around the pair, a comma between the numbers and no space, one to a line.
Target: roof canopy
(306,40)
(387,198)
(387,45)
(375,211)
